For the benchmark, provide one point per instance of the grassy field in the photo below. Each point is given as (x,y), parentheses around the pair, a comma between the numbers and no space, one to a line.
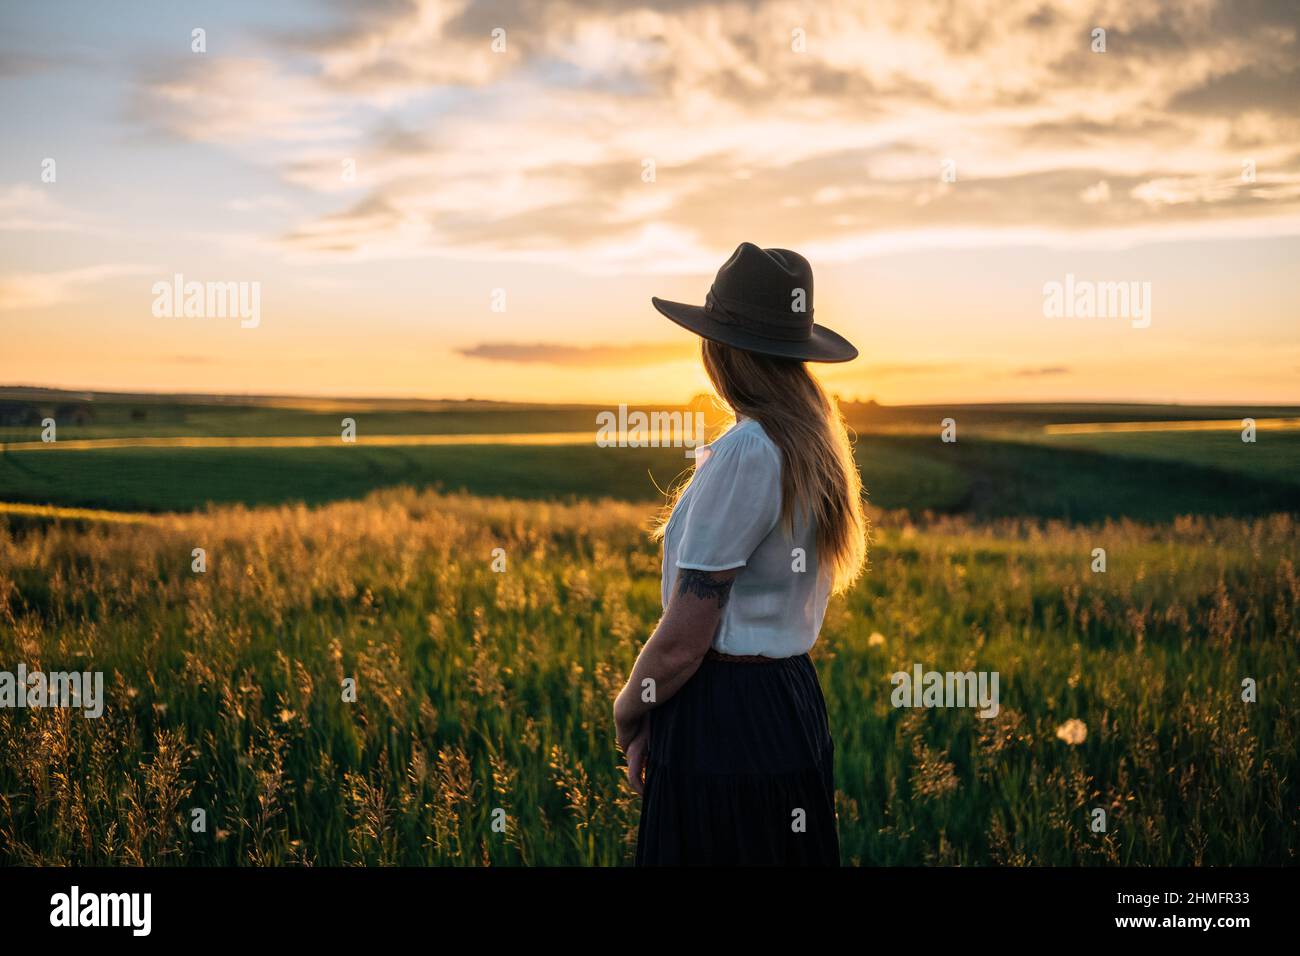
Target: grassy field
(1003,464)
(114,415)
(108,414)
(172,480)
(482,690)
(1274,456)
(1108,476)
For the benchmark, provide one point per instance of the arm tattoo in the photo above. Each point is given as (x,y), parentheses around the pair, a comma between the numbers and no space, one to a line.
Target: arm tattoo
(703,585)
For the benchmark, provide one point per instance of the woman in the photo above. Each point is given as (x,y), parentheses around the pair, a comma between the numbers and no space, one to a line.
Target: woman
(722,719)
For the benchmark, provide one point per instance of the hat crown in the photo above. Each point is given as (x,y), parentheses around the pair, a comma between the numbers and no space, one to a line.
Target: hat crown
(761,301)
(770,280)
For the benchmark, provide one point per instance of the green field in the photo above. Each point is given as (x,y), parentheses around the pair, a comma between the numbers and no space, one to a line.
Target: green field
(107,415)
(1003,463)
(112,416)
(984,477)
(482,690)
(1274,456)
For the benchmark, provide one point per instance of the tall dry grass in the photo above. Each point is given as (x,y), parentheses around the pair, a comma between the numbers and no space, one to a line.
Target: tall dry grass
(481,691)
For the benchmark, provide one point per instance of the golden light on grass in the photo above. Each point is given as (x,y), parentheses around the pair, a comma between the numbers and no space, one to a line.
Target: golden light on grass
(481,689)
(1202,425)
(77,514)
(305,441)
(1073,732)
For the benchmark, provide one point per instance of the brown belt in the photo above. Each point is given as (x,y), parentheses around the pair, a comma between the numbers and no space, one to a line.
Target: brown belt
(712,655)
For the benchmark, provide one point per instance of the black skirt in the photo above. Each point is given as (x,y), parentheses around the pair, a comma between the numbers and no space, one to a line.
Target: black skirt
(740,770)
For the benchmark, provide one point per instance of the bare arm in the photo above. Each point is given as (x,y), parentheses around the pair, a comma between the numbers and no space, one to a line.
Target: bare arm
(675,649)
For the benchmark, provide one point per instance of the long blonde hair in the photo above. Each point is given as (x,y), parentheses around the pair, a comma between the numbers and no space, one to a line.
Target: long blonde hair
(819,477)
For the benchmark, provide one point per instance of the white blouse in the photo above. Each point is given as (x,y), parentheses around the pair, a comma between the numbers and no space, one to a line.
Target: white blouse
(729,516)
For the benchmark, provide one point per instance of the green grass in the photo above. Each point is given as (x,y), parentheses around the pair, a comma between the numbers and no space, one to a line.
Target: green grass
(147,479)
(116,420)
(183,479)
(982,477)
(1007,478)
(1274,455)
(110,415)
(480,690)
(1002,465)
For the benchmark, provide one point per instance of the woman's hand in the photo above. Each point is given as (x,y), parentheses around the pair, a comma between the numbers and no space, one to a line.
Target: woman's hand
(632,730)
(668,660)
(637,751)
(626,725)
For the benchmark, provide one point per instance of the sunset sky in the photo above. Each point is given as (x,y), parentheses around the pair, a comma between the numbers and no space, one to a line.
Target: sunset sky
(822,127)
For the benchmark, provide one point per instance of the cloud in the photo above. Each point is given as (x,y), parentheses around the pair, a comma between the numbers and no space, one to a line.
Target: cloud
(580,356)
(27,208)
(1098,192)
(41,289)
(234,101)
(1268,187)
(826,124)
(1246,89)
(268,202)
(1041,371)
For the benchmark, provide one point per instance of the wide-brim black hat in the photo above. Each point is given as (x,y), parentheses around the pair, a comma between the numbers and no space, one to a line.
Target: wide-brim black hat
(762,301)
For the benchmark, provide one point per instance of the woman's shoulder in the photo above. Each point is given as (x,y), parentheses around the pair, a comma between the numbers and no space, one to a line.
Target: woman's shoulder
(746,439)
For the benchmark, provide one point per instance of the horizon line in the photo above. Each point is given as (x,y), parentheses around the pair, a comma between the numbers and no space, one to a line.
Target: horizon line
(90,394)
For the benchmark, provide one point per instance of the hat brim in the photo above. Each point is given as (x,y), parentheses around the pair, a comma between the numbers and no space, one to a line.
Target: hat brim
(824,345)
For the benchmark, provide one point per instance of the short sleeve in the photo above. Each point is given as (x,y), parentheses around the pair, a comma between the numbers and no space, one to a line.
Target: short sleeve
(735,502)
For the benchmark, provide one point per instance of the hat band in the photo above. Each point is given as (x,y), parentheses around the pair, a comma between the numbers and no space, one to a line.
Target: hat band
(765,323)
